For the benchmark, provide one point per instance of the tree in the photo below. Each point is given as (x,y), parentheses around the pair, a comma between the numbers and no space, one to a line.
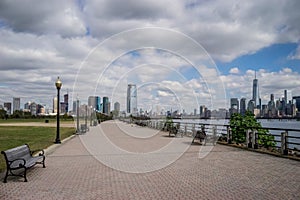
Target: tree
(240,124)
(3,113)
(168,124)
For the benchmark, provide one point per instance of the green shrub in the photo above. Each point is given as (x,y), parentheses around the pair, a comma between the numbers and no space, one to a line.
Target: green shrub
(239,125)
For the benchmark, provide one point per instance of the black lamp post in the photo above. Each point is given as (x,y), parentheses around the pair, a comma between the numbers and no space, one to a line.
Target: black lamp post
(58,85)
(77,114)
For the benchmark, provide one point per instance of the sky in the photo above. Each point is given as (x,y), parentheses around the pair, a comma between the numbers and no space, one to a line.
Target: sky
(180,54)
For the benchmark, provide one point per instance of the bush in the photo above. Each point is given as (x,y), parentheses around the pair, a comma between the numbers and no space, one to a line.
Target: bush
(168,124)
(239,125)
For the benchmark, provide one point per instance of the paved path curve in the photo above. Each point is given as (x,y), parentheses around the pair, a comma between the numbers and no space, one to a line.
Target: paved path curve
(225,173)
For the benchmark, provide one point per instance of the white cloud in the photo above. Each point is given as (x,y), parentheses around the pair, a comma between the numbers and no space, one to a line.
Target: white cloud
(40,41)
(234,70)
(59,17)
(295,55)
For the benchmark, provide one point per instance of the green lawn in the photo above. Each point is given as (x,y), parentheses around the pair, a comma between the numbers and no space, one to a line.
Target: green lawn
(35,137)
(51,120)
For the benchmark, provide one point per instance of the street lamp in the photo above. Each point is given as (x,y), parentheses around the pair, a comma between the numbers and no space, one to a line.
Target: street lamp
(77,114)
(58,85)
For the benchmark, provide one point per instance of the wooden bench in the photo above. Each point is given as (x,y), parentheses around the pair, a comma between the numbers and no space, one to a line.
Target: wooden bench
(201,135)
(83,128)
(175,130)
(21,157)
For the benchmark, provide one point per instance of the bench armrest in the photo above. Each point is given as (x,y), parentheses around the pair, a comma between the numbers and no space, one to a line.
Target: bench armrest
(18,159)
(38,150)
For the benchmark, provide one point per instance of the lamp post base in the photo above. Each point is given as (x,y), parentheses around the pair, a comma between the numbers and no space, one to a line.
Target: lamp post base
(57,141)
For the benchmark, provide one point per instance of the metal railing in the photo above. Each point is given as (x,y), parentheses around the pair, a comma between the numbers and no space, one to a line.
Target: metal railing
(285,143)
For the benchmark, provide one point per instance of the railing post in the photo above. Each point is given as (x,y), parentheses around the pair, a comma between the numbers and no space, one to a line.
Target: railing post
(229,135)
(214,130)
(284,145)
(255,139)
(193,129)
(249,135)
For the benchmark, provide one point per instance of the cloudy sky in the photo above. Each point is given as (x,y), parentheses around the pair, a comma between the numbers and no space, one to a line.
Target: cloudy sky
(180,54)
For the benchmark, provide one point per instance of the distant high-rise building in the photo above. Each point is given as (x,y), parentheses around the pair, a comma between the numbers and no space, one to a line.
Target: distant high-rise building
(202,111)
(251,106)
(272,97)
(55,105)
(297,102)
(286,102)
(27,105)
(33,108)
(117,106)
(106,105)
(271,107)
(243,106)
(132,99)
(66,103)
(98,104)
(63,107)
(255,93)
(16,103)
(75,106)
(7,107)
(94,102)
(234,105)
(285,96)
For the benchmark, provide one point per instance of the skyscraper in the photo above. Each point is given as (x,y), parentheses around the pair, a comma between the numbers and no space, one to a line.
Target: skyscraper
(16,103)
(66,102)
(297,102)
(243,106)
(94,102)
(234,105)
(106,105)
(7,107)
(116,109)
(55,105)
(132,99)
(255,93)
(202,111)
(117,106)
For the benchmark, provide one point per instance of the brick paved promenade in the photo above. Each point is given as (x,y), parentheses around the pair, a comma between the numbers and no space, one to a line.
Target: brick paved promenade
(225,173)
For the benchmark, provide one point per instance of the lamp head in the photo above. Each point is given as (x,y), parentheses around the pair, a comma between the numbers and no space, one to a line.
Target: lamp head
(58,83)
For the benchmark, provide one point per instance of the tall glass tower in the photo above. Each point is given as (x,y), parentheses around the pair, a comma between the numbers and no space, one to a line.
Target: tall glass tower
(106,105)
(132,99)
(255,93)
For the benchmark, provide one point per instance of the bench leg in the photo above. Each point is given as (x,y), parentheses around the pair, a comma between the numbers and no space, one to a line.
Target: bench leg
(44,166)
(5,178)
(25,178)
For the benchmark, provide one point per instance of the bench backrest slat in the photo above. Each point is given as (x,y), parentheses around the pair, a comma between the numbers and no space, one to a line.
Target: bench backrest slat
(18,152)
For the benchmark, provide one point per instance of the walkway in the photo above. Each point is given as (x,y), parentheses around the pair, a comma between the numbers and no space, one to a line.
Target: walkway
(224,173)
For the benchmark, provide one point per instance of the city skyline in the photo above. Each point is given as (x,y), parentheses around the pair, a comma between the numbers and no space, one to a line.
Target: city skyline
(236,104)
(198,52)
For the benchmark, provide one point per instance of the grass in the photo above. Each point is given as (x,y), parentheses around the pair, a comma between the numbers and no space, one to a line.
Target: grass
(22,120)
(36,137)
